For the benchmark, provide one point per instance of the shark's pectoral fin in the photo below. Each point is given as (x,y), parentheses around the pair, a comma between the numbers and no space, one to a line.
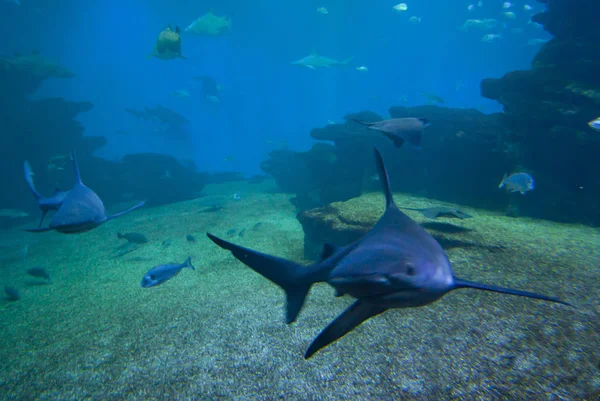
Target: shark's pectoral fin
(38,230)
(357,313)
(44,212)
(126,211)
(310,66)
(284,273)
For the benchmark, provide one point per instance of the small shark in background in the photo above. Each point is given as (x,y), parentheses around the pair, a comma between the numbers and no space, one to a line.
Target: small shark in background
(397,264)
(81,209)
(46,204)
(315,61)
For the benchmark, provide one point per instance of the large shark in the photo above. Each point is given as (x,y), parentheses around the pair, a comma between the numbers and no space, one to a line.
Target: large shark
(314,61)
(81,209)
(397,264)
(46,204)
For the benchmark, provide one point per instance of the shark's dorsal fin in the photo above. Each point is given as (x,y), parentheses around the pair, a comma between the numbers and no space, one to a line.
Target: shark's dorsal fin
(76,169)
(313,52)
(384,179)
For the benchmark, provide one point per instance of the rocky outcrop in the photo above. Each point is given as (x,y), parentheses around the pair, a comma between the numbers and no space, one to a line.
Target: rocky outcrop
(330,173)
(546,111)
(342,223)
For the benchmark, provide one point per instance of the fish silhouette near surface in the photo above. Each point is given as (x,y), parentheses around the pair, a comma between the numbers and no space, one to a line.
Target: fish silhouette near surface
(81,210)
(397,264)
(53,202)
(400,130)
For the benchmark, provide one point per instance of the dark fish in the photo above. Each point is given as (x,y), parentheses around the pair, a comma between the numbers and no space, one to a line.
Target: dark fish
(136,238)
(45,204)
(81,210)
(400,130)
(12,294)
(126,248)
(397,264)
(257,225)
(211,209)
(445,227)
(230,232)
(437,211)
(190,238)
(39,272)
(159,274)
(242,233)
(167,243)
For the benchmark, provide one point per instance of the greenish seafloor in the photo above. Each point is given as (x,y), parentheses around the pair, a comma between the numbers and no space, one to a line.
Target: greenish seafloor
(218,332)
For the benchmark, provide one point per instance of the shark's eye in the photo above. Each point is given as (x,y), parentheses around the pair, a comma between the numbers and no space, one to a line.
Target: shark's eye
(410,270)
(151,278)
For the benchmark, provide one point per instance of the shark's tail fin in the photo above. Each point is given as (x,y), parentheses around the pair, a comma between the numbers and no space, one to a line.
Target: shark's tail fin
(114,216)
(290,276)
(486,287)
(347,61)
(29,179)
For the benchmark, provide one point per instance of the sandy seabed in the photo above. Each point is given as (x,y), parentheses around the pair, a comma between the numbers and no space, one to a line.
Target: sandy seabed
(218,332)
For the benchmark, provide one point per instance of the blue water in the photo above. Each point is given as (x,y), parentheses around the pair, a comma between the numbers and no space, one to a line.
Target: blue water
(263,97)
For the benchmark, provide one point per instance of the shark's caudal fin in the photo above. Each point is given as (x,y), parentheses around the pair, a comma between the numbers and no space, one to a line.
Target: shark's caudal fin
(114,216)
(288,275)
(486,287)
(76,169)
(29,178)
(357,313)
(384,179)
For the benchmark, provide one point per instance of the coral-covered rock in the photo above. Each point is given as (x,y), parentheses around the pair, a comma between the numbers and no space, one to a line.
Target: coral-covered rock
(546,111)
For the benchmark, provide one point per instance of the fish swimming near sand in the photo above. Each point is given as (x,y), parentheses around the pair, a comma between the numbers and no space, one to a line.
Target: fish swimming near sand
(53,202)
(81,210)
(136,238)
(441,211)
(314,61)
(39,272)
(12,294)
(400,130)
(397,264)
(518,182)
(159,274)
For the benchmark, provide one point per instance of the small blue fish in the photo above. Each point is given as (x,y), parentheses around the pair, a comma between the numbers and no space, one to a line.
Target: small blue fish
(518,182)
(159,274)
